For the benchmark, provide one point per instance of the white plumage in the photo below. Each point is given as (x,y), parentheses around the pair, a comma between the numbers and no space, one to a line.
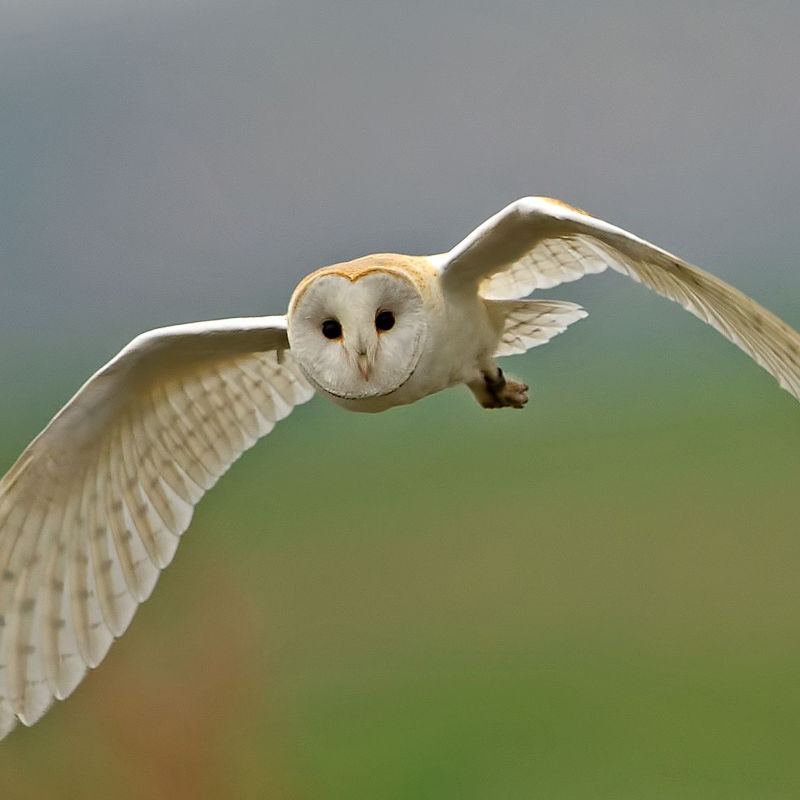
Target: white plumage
(93,509)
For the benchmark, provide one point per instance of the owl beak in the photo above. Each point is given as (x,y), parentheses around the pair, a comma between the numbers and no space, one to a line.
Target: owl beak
(363,365)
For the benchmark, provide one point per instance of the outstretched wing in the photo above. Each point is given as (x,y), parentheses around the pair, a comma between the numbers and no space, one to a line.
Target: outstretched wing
(93,509)
(537,242)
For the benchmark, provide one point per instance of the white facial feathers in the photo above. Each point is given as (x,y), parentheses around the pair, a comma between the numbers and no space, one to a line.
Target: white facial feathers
(358,336)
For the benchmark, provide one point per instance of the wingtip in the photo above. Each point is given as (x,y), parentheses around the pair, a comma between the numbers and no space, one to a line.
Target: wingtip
(8,719)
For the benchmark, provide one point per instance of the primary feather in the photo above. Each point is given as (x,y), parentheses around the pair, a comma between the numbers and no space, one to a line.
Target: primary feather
(94,507)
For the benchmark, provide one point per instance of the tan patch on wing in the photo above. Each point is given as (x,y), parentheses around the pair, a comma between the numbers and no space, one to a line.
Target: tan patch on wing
(562,204)
(418,270)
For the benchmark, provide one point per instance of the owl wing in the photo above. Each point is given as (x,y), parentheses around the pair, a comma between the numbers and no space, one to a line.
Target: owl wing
(93,509)
(537,242)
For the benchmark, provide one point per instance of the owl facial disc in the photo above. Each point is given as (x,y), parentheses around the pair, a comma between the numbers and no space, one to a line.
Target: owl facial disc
(357,337)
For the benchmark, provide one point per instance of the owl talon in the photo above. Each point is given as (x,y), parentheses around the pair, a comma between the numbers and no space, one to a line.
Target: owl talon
(497,392)
(512,395)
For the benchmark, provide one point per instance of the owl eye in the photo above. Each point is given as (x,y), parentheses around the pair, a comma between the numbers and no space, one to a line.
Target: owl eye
(384,320)
(331,329)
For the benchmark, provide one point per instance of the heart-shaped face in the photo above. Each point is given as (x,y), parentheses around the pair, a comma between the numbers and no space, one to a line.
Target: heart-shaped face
(357,336)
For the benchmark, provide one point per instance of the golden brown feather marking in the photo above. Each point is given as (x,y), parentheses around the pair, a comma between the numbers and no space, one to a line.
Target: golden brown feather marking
(567,206)
(416,269)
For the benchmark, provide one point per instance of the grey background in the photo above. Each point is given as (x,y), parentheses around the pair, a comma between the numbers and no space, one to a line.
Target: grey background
(171,161)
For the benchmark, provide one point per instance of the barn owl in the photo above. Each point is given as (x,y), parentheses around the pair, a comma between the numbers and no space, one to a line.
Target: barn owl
(93,509)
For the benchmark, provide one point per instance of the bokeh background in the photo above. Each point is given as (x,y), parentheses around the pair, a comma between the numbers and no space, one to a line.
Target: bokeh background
(594,598)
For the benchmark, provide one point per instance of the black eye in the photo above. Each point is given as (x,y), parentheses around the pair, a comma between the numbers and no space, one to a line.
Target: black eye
(384,320)
(331,329)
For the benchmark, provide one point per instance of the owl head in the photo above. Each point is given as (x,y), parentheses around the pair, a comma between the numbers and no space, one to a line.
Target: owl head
(358,330)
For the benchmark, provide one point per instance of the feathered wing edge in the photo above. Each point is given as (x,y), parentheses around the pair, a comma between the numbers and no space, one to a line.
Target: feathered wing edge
(539,242)
(530,323)
(93,509)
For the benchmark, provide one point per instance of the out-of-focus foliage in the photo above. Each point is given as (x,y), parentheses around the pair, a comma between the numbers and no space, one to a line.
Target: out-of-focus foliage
(595,597)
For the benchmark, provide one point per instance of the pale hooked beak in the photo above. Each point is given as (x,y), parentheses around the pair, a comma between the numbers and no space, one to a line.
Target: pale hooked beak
(363,365)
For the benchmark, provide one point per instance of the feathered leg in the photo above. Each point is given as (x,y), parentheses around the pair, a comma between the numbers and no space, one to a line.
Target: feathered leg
(494,391)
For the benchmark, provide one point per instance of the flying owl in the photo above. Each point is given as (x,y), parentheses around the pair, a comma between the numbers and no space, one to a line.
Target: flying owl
(95,506)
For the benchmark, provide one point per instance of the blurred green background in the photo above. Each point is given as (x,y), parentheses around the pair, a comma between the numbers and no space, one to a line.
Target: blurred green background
(595,597)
